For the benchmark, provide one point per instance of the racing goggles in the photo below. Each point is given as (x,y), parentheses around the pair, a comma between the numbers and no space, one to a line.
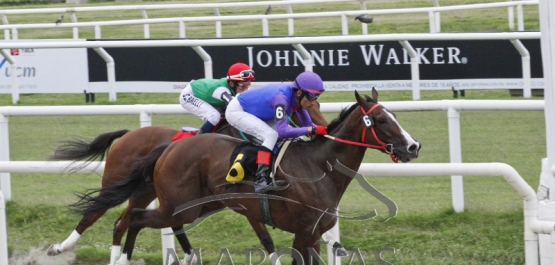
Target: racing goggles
(245,74)
(309,95)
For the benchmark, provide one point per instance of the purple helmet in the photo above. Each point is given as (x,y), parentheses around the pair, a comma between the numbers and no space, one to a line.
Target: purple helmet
(309,82)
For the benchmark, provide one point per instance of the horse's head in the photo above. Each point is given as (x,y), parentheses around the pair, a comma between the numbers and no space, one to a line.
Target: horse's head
(381,130)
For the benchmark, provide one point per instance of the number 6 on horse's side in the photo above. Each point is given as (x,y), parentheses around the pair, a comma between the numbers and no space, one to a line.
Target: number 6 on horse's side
(189,177)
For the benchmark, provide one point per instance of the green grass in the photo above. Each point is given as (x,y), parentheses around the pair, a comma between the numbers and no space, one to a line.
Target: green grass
(425,231)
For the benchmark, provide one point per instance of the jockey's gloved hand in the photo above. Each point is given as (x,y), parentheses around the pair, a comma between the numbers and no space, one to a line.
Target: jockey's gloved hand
(319,130)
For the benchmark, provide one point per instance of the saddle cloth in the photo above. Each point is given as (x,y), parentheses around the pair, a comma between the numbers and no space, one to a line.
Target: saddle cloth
(245,155)
(184,133)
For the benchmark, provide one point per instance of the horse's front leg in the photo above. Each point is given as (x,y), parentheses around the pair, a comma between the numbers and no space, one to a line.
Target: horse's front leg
(265,238)
(330,240)
(302,243)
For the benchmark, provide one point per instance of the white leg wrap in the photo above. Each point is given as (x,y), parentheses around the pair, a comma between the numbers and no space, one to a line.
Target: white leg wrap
(328,237)
(123,260)
(274,259)
(70,241)
(114,255)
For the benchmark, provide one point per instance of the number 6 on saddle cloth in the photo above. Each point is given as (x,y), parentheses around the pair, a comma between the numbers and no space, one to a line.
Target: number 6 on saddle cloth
(243,162)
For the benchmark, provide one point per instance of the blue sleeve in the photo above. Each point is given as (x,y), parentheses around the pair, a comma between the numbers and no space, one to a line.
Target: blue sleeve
(286,131)
(282,126)
(304,118)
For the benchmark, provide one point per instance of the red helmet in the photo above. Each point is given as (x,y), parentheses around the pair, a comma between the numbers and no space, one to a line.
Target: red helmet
(240,72)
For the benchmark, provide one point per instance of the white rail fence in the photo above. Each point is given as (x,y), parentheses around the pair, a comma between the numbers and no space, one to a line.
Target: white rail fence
(296,42)
(433,16)
(145,112)
(532,225)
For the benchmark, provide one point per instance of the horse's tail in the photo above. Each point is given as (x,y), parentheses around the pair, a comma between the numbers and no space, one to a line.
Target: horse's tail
(81,150)
(114,195)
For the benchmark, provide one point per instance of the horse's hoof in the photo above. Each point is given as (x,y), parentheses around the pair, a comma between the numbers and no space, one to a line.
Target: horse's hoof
(123,260)
(189,260)
(341,252)
(53,250)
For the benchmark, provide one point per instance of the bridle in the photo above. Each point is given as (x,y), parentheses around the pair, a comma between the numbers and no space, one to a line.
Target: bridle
(387,148)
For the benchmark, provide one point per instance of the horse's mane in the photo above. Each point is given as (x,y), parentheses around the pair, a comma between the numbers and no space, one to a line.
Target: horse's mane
(344,113)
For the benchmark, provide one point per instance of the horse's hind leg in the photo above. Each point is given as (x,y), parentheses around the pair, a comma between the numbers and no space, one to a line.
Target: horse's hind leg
(141,199)
(87,221)
(185,245)
(157,218)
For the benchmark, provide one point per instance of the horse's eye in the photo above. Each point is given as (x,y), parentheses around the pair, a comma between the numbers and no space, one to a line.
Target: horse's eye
(381,120)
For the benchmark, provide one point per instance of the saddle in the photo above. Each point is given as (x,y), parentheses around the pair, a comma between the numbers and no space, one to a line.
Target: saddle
(185,132)
(245,155)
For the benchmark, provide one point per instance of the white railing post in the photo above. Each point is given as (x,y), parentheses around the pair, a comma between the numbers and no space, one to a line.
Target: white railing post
(414,69)
(344,25)
(437,19)
(307,57)
(3,232)
(432,21)
(146,26)
(332,259)
(520,17)
(15,34)
(182,29)
(218,23)
(207,59)
(6,31)
(167,242)
(97,32)
(111,72)
(511,16)
(290,22)
(526,74)
(5,178)
(457,191)
(75,29)
(145,119)
(364,25)
(265,27)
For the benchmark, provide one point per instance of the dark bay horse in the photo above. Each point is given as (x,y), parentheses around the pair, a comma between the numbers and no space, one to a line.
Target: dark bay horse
(122,154)
(189,177)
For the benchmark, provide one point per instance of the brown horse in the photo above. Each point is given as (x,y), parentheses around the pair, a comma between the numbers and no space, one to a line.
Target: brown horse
(122,154)
(189,177)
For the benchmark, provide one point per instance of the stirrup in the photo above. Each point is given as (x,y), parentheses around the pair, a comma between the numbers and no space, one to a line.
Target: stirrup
(273,186)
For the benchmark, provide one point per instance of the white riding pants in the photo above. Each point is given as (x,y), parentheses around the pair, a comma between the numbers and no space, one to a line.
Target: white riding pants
(198,106)
(262,130)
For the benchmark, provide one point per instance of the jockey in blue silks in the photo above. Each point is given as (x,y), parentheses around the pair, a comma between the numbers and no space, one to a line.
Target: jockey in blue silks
(264,113)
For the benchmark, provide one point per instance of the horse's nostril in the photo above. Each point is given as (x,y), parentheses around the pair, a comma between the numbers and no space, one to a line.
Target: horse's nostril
(414,147)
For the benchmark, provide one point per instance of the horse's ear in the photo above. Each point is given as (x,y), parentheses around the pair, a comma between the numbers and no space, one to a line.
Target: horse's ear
(359,99)
(374,94)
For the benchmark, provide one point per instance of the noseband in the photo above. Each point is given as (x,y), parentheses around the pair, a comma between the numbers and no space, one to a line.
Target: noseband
(387,148)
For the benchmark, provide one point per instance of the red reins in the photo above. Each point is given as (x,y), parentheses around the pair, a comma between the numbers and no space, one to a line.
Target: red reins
(387,148)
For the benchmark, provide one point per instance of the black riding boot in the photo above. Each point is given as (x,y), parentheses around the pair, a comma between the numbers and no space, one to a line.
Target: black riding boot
(262,176)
